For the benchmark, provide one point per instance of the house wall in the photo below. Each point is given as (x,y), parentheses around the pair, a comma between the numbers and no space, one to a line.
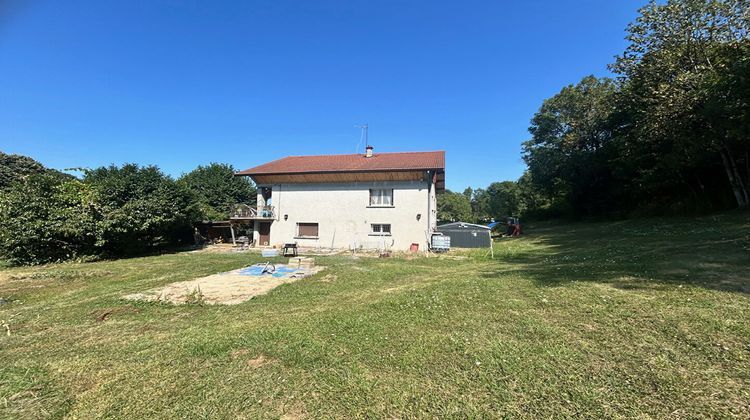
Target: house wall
(344,216)
(433,208)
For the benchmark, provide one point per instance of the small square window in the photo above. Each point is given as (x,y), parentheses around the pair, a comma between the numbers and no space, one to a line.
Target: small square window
(307,230)
(381,197)
(380,229)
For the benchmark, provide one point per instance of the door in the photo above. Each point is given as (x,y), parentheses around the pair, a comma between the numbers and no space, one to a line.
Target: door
(264,231)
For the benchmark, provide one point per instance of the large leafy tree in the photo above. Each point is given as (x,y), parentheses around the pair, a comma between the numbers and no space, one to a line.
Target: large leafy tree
(140,209)
(534,201)
(480,205)
(505,199)
(453,207)
(685,85)
(216,189)
(670,134)
(567,155)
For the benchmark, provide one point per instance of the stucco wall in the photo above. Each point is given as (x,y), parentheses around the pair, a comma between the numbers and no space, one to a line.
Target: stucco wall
(344,216)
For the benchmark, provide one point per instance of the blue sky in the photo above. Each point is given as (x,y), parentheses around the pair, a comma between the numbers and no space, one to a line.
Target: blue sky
(182,83)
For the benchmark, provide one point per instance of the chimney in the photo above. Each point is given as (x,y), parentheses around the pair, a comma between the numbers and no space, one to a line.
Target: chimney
(368,152)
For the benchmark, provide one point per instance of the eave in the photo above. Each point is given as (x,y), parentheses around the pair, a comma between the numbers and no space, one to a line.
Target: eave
(324,177)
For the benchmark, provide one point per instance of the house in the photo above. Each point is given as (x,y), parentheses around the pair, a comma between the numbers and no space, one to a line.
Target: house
(356,201)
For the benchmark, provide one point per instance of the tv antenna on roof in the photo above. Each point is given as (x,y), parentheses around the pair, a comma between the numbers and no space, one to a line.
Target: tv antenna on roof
(362,136)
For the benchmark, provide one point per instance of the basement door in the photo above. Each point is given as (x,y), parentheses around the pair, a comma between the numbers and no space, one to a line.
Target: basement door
(264,231)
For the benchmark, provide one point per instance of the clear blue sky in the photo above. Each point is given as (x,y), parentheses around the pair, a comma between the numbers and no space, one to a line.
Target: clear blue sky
(182,83)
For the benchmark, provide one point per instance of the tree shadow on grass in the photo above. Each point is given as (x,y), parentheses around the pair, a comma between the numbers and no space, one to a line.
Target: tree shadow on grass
(709,252)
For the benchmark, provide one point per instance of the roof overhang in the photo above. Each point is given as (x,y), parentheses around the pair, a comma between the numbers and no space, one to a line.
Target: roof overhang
(323,177)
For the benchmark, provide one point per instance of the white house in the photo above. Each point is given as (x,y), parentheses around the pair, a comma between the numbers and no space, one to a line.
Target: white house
(370,201)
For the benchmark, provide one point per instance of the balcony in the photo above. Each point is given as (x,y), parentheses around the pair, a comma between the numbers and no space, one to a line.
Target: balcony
(245,212)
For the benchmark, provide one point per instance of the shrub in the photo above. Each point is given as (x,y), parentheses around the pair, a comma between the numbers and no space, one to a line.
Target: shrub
(45,219)
(113,212)
(141,209)
(14,168)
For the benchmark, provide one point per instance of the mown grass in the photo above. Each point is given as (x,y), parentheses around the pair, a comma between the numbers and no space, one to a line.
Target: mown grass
(627,319)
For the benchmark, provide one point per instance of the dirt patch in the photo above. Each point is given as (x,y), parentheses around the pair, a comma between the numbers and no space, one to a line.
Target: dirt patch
(229,288)
(454,257)
(328,278)
(57,275)
(255,362)
(223,248)
(102,315)
(294,412)
(259,361)
(395,289)
(239,353)
(321,251)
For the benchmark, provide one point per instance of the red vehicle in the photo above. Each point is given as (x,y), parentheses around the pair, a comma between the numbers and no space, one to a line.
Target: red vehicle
(514,226)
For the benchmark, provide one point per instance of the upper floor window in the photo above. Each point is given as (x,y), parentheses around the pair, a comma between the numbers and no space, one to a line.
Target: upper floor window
(381,197)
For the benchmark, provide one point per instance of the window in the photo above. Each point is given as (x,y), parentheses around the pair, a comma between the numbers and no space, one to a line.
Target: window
(307,230)
(381,197)
(380,229)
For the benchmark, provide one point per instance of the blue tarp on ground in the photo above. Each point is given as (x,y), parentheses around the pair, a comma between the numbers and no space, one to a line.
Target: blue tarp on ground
(493,224)
(257,270)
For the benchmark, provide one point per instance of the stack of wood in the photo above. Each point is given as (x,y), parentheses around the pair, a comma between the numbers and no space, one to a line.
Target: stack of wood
(304,263)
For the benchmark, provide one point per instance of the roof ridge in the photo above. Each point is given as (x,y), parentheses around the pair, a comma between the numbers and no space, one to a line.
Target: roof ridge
(351,162)
(361,154)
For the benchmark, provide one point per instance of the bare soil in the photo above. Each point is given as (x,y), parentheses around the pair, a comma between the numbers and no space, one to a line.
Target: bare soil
(229,288)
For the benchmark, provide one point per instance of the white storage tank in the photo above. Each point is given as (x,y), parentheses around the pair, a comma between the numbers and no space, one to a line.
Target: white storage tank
(440,242)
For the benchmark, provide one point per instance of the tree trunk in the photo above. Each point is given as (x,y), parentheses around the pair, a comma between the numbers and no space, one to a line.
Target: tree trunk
(700,184)
(743,181)
(690,186)
(735,179)
(747,169)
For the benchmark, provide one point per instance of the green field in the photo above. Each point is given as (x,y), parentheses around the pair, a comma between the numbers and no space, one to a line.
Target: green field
(644,318)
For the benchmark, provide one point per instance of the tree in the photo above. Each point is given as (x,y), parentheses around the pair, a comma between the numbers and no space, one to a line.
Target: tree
(44,218)
(534,201)
(568,153)
(113,211)
(140,209)
(670,134)
(685,78)
(725,106)
(480,206)
(453,207)
(505,199)
(216,189)
(16,167)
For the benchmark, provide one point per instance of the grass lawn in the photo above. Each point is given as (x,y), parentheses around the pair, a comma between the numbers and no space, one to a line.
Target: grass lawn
(638,318)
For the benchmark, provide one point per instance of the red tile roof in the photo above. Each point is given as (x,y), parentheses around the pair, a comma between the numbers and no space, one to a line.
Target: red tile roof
(351,163)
